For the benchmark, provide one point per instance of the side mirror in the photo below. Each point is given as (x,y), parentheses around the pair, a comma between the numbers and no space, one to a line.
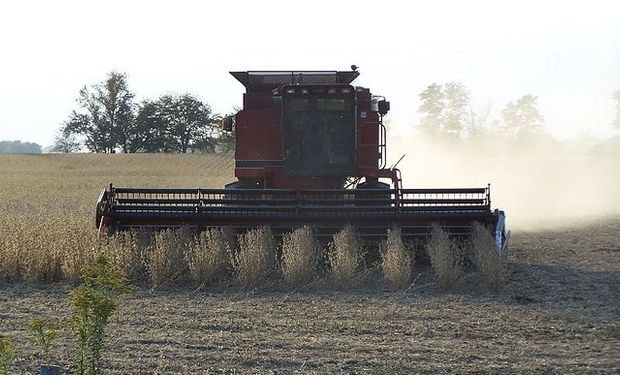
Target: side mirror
(384,107)
(227,123)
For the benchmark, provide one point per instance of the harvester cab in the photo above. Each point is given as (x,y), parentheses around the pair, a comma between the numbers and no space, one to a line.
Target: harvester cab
(310,149)
(309,129)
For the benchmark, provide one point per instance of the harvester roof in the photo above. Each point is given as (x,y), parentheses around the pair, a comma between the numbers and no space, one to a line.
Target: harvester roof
(264,81)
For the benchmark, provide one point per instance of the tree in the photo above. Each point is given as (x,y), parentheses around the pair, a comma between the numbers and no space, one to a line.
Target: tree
(477,122)
(104,120)
(455,110)
(226,142)
(189,124)
(617,120)
(19,147)
(522,118)
(432,107)
(150,129)
(65,143)
(445,109)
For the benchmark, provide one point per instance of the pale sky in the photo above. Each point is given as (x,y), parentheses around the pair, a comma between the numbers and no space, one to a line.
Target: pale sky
(566,52)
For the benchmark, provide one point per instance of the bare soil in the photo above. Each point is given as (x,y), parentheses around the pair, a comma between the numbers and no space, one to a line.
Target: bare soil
(558,313)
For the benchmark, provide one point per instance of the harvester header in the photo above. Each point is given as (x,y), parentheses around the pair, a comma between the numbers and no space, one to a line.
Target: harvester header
(310,149)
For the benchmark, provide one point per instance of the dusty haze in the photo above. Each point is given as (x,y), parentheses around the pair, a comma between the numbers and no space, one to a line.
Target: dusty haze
(540,184)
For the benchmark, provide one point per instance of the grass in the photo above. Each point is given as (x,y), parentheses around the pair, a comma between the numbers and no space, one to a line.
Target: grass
(7,350)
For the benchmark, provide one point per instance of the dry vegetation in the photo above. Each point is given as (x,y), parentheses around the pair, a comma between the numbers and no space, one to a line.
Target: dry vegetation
(396,261)
(557,310)
(301,253)
(209,257)
(345,257)
(256,258)
(446,257)
(486,257)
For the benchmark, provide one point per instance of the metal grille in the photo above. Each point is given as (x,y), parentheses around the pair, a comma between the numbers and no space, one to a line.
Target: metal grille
(414,210)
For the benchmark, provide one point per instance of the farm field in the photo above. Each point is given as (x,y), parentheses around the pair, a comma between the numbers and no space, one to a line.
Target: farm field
(557,313)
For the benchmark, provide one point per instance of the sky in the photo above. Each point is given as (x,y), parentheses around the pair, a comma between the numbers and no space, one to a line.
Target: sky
(565,52)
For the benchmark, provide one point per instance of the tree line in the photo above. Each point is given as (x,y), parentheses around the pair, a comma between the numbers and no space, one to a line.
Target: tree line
(109,120)
(19,147)
(447,112)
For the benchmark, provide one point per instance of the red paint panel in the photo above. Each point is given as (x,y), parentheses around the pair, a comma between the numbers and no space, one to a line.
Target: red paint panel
(258,135)
(367,134)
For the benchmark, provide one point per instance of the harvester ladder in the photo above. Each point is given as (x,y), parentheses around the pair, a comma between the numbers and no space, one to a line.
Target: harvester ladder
(398,185)
(382,144)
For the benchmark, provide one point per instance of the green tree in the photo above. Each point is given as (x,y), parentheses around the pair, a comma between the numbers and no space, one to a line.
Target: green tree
(522,118)
(226,141)
(65,143)
(190,124)
(104,119)
(151,132)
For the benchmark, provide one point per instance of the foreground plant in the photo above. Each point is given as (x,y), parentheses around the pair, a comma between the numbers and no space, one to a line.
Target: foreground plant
(94,301)
(7,350)
(44,333)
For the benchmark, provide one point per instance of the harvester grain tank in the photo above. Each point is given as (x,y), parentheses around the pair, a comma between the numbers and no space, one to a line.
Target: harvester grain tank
(310,149)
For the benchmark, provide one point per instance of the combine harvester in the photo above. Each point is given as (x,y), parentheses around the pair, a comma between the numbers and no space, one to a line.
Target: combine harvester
(310,149)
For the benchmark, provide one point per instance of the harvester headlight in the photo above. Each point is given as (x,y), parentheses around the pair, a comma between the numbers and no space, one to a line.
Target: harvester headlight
(304,91)
(346,90)
(331,90)
(290,90)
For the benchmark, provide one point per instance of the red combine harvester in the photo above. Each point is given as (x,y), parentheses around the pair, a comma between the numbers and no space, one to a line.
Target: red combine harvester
(310,150)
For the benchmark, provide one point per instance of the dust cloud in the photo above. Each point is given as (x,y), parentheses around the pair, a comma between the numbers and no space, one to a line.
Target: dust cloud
(541,184)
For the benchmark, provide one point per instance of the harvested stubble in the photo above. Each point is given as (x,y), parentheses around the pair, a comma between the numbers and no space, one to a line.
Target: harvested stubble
(446,257)
(256,257)
(486,257)
(345,256)
(396,262)
(300,256)
(209,257)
